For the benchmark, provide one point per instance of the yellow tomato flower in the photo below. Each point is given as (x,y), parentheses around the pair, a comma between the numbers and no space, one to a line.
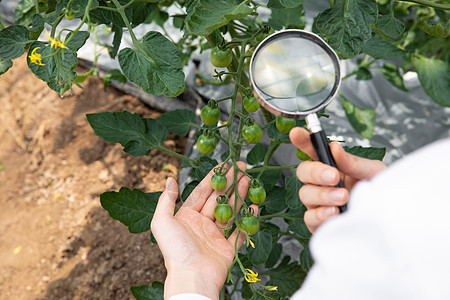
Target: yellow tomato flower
(36,57)
(251,276)
(55,43)
(251,243)
(273,288)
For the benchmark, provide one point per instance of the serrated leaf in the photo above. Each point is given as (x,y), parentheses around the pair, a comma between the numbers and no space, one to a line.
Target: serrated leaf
(145,292)
(379,48)
(263,246)
(118,33)
(188,188)
(138,136)
(154,65)
(292,185)
(78,40)
(367,152)
(291,3)
(5,64)
(360,119)
(37,25)
(13,40)
(270,178)
(275,201)
(24,12)
(392,74)
(347,25)
(256,155)
(133,208)
(434,75)
(207,165)
(274,255)
(390,26)
(204,16)
(306,260)
(294,218)
(178,121)
(288,277)
(363,74)
(287,18)
(113,74)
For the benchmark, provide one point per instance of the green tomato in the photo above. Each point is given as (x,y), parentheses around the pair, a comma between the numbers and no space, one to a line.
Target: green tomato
(284,125)
(257,194)
(221,58)
(249,224)
(206,144)
(252,133)
(250,104)
(218,182)
(223,212)
(302,155)
(210,115)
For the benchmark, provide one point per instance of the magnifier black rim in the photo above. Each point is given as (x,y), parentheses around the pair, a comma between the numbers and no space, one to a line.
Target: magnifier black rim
(317,40)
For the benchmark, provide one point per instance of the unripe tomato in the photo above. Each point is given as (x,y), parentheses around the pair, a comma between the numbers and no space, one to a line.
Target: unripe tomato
(250,104)
(220,58)
(223,212)
(252,133)
(218,182)
(249,224)
(210,115)
(206,144)
(284,125)
(257,194)
(302,155)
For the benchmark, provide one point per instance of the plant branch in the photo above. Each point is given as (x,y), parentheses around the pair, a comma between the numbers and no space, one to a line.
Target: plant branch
(443,6)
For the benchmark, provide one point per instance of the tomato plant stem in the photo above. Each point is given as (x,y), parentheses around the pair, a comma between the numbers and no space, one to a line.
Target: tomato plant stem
(121,10)
(271,168)
(443,6)
(175,154)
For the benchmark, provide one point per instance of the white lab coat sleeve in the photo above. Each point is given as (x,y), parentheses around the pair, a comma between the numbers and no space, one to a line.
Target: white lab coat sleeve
(189,296)
(394,240)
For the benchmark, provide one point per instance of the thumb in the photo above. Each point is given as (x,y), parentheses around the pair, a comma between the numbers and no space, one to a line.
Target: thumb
(355,166)
(166,202)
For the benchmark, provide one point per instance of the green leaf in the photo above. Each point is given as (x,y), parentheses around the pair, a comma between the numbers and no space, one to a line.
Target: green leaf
(363,74)
(24,12)
(270,178)
(118,33)
(306,260)
(274,255)
(434,75)
(390,26)
(287,18)
(347,25)
(204,16)
(158,17)
(361,120)
(113,74)
(138,136)
(13,40)
(154,65)
(275,201)
(78,40)
(291,3)
(37,25)
(188,188)
(178,121)
(367,152)
(256,155)
(58,68)
(294,218)
(5,64)
(206,166)
(263,246)
(145,292)
(439,30)
(392,74)
(133,208)
(288,277)
(379,48)
(292,185)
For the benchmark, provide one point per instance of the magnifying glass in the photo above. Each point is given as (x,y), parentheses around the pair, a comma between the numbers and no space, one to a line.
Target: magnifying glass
(295,74)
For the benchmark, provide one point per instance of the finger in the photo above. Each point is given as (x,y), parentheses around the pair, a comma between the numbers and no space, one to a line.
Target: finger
(166,203)
(355,166)
(241,237)
(202,192)
(242,190)
(315,217)
(313,196)
(318,173)
(301,139)
(211,203)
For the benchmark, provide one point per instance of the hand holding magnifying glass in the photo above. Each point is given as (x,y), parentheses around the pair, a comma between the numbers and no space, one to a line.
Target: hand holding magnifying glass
(295,74)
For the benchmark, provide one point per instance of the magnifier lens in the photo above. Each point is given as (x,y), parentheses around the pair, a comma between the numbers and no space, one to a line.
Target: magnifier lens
(293,74)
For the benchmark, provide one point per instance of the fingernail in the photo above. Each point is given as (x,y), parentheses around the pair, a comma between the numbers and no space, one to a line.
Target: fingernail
(328,176)
(337,195)
(329,211)
(168,182)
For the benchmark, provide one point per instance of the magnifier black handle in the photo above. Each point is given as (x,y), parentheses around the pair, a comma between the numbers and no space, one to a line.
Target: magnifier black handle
(319,141)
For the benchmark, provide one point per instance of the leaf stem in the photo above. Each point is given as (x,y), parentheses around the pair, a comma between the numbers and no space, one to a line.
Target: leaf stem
(271,168)
(121,10)
(429,3)
(181,156)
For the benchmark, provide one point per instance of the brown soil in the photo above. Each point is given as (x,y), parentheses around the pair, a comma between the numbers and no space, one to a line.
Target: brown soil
(56,241)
